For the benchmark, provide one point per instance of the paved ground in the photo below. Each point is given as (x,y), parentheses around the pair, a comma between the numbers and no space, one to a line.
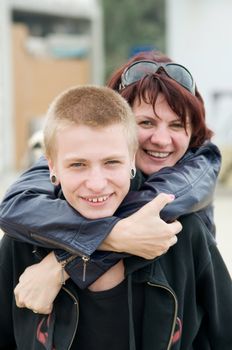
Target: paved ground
(223,217)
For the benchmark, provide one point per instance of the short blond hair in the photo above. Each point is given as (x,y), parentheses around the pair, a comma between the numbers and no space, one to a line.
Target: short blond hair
(93,106)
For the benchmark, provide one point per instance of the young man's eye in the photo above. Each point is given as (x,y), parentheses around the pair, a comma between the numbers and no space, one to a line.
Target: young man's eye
(77,165)
(113,162)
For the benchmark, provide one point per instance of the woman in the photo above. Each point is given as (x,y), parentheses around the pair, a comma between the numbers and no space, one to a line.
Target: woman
(190,175)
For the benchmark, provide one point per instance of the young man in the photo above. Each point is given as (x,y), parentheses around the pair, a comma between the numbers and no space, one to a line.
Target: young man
(94,180)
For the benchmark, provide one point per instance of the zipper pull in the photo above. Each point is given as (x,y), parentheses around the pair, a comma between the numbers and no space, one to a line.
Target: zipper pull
(63,263)
(85,260)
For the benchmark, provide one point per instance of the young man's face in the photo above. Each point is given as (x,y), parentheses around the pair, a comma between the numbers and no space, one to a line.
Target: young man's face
(163,139)
(93,167)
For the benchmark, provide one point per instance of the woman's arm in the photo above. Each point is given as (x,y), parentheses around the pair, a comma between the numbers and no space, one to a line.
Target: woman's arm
(192,180)
(39,217)
(32,212)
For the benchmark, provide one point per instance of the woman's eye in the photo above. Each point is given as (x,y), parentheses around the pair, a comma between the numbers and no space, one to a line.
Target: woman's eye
(177,125)
(145,123)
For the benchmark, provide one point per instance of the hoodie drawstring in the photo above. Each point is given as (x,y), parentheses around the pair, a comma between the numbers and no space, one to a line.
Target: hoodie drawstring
(131,320)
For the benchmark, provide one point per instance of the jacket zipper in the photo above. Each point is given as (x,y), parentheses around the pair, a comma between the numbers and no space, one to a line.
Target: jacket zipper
(58,245)
(85,258)
(63,263)
(77,319)
(175,312)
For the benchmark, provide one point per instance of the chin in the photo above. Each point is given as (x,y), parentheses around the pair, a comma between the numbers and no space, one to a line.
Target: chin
(93,215)
(150,170)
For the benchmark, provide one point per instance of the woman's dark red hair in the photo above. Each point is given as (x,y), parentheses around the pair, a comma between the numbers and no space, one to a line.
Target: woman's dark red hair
(180,100)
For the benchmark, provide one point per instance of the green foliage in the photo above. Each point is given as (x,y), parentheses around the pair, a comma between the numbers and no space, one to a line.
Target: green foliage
(130,24)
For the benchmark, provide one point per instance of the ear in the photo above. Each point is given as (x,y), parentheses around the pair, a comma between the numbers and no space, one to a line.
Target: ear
(133,162)
(51,165)
(53,171)
(133,168)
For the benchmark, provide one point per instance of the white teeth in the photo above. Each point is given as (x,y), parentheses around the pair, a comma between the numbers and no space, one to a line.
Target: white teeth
(97,199)
(158,154)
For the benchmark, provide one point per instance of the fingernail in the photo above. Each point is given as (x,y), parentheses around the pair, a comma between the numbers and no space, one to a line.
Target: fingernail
(172,196)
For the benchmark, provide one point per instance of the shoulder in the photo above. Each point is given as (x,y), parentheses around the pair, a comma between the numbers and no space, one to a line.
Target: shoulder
(195,243)
(195,228)
(5,244)
(16,252)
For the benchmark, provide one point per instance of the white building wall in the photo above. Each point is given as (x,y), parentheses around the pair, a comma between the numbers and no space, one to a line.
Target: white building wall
(6,129)
(199,35)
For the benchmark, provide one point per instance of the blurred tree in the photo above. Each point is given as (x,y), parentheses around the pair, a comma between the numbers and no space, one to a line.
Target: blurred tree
(131,24)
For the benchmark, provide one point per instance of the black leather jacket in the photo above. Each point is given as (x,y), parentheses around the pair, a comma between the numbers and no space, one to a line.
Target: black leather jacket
(187,298)
(32,211)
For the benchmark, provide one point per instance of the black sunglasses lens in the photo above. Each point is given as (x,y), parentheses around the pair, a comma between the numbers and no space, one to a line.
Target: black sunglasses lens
(138,71)
(181,75)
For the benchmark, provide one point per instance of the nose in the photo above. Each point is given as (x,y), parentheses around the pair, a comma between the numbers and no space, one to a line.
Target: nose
(96,181)
(160,136)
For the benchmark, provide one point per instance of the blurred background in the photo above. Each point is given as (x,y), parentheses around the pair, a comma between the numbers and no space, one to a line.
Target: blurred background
(49,45)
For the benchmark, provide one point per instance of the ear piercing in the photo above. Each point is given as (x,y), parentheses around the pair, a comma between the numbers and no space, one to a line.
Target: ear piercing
(132,173)
(53,179)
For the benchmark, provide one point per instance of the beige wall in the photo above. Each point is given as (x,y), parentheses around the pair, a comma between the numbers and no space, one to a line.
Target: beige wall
(36,82)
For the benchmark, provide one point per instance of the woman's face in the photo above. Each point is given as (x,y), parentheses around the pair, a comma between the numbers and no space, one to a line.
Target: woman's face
(163,139)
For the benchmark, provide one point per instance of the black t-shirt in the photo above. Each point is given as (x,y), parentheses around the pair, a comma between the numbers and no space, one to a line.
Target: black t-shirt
(104,318)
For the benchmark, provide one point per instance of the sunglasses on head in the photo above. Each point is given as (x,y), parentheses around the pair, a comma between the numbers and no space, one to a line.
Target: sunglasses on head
(138,70)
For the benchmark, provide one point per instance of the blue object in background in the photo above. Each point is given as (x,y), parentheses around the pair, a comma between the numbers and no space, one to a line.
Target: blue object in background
(141,48)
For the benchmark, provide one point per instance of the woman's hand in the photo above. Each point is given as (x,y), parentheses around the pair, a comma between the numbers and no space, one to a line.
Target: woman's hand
(39,285)
(144,233)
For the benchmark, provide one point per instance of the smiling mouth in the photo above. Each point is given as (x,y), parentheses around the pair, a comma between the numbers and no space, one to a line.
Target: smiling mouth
(99,199)
(158,154)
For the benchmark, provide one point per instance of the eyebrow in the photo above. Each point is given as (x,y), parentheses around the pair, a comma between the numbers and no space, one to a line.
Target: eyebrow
(76,159)
(114,156)
(145,116)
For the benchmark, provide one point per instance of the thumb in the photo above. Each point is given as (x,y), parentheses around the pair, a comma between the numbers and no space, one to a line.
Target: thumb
(159,202)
